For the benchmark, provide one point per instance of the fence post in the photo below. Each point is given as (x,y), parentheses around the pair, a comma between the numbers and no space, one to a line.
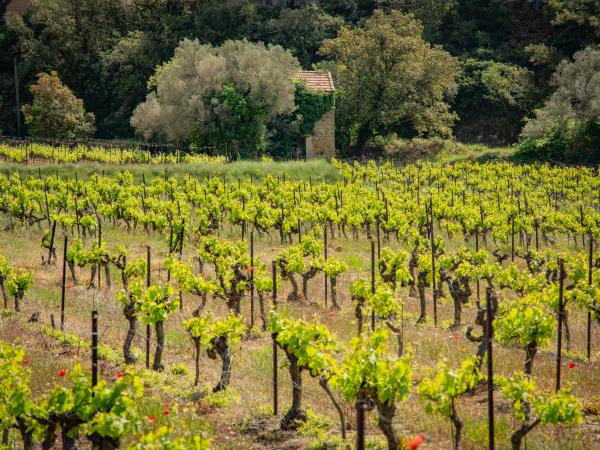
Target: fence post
(561,279)
(490,369)
(251,278)
(64,285)
(589,314)
(372,281)
(275,363)
(94,347)
(148,329)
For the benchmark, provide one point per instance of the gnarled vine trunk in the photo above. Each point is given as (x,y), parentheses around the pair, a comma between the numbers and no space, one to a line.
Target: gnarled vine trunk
(295,414)
(386,414)
(160,343)
(129,313)
(220,346)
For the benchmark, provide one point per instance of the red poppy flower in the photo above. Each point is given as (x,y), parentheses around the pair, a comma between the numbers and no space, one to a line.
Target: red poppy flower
(152,419)
(165,405)
(571,364)
(454,338)
(69,286)
(331,314)
(166,412)
(62,373)
(249,270)
(120,375)
(415,442)
(25,362)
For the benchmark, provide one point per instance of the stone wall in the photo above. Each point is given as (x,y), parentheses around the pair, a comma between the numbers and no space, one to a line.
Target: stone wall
(321,144)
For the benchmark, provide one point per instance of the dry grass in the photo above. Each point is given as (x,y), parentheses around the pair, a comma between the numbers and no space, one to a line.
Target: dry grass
(247,423)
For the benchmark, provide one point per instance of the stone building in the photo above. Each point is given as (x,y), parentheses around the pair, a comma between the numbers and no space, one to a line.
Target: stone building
(321,143)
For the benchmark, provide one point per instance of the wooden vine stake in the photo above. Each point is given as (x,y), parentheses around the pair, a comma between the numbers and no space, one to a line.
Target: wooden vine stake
(94,346)
(64,285)
(360,424)
(589,314)
(252,279)
(433,283)
(275,363)
(325,256)
(561,282)
(148,329)
(372,281)
(490,368)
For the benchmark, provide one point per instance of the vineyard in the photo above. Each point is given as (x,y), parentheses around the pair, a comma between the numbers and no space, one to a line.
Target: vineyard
(423,306)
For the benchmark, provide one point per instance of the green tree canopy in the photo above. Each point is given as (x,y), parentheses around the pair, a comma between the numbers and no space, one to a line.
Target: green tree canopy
(55,111)
(567,127)
(390,80)
(219,95)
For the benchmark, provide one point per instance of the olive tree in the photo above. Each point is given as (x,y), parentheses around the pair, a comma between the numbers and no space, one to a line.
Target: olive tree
(218,96)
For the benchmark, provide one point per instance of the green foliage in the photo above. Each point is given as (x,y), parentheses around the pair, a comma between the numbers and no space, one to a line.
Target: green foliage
(164,438)
(158,303)
(19,282)
(311,343)
(311,106)
(375,90)
(439,391)
(524,322)
(521,391)
(567,127)
(367,366)
(55,111)
(237,89)
(205,329)
(334,267)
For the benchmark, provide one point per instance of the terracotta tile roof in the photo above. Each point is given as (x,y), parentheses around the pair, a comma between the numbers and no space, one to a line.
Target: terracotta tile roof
(319,81)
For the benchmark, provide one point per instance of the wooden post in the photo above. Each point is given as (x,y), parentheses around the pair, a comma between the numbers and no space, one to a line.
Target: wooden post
(94,347)
(512,240)
(589,314)
(490,370)
(275,363)
(64,285)
(251,278)
(372,281)
(52,234)
(433,280)
(99,245)
(561,279)
(148,329)
(325,256)
(360,424)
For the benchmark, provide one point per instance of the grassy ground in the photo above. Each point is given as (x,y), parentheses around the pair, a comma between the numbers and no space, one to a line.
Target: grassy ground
(245,420)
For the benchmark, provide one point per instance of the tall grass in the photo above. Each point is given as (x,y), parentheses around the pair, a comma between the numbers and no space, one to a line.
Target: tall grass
(318,170)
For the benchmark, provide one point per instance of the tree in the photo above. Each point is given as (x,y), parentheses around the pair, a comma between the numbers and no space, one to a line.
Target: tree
(55,112)
(440,391)
(303,30)
(391,80)
(577,21)
(492,100)
(219,96)
(532,408)
(368,375)
(567,127)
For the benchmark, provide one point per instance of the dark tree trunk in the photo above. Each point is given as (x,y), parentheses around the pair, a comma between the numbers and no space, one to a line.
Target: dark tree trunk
(197,360)
(4,293)
(263,315)
(423,303)
(26,434)
(71,266)
(17,303)
(221,347)
(386,416)
(458,426)
(295,414)
(323,382)
(104,442)
(129,312)
(160,343)
(530,352)
(333,284)
(518,435)
(294,295)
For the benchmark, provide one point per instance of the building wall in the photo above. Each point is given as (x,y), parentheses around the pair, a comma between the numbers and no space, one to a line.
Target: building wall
(321,144)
